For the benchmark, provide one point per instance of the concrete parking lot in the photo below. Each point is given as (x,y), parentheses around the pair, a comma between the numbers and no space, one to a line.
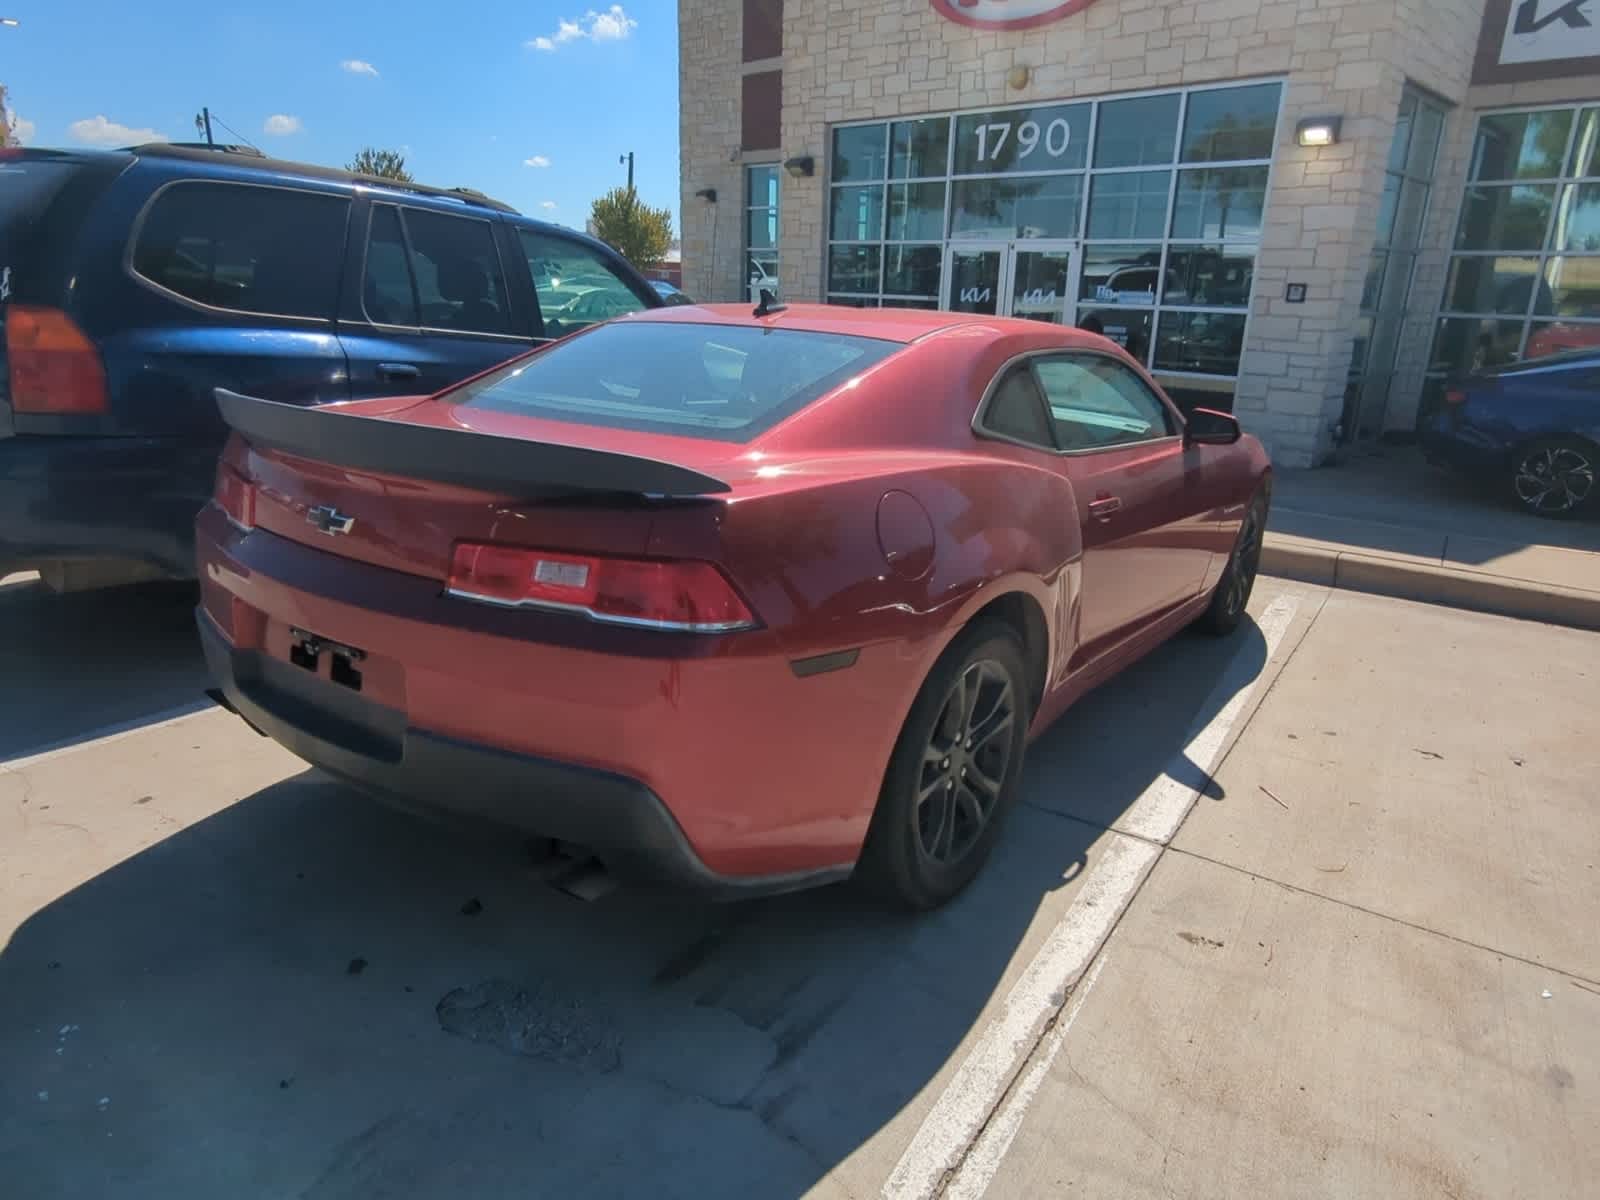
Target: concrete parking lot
(1306,912)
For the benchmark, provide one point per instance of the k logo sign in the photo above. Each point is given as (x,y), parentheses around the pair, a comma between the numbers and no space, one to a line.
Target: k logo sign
(1008,14)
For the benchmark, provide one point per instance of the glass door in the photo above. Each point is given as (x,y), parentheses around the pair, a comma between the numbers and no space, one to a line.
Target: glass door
(1040,288)
(1031,279)
(974,277)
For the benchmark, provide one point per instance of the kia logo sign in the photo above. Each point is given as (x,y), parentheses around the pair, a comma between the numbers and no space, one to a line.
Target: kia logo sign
(1008,14)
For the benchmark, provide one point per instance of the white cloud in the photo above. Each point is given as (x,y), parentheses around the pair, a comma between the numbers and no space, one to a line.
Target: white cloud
(548,205)
(22,129)
(98,131)
(538,160)
(358,66)
(281,125)
(612,25)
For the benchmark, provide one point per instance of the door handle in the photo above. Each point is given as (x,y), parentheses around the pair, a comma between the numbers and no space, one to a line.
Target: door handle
(1102,508)
(398,371)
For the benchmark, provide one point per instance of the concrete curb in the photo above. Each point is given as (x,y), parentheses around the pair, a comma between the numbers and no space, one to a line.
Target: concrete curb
(1333,566)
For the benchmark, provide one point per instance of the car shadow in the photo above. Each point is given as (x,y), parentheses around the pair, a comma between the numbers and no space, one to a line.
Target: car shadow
(75,664)
(312,994)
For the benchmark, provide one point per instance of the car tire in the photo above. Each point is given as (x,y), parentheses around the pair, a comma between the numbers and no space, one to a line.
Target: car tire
(1232,593)
(953,773)
(1554,477)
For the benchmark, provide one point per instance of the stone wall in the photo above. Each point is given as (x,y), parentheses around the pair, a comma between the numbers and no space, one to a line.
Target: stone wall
(709,72)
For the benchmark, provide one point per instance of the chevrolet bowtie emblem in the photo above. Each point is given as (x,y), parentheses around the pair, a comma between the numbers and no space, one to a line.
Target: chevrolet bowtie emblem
(330,520)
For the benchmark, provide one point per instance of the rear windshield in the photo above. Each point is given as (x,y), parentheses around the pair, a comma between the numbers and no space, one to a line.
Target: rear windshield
(724,382)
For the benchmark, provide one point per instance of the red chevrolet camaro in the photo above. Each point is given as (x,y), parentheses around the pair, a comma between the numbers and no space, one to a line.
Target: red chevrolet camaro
(742,601)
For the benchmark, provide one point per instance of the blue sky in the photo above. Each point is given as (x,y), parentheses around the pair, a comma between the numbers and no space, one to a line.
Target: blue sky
(530,102)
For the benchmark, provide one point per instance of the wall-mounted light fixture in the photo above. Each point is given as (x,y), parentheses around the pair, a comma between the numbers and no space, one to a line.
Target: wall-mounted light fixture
(802,166)
(709,195)
(1317,131)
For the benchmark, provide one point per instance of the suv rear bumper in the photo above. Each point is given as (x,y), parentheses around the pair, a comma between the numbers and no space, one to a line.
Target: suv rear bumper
(365,744)
(74,499)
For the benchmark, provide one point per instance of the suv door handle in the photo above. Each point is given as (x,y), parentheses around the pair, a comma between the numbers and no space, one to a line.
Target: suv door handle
(398,371)
(1102,508)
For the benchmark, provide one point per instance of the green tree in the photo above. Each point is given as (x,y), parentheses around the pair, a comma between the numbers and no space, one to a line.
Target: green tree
(386,164)
(636,231)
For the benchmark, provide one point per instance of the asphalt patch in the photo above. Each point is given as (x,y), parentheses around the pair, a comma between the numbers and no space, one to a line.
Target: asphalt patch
(539,1022)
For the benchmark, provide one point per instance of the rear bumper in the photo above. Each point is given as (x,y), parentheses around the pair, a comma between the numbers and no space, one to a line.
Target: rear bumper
(618,818)
(100,498)
(710,764)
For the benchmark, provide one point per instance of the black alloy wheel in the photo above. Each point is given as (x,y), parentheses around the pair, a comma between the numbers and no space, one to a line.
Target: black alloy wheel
(1555,477)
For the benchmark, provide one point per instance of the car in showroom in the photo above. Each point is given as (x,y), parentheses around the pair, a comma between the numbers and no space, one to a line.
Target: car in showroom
(742,601)
(1530,428)
(133,282)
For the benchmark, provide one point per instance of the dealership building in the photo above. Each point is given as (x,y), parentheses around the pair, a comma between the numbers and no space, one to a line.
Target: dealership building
(1308,211)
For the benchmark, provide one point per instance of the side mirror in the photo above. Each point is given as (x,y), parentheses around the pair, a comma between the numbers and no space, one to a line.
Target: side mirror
(1208,427)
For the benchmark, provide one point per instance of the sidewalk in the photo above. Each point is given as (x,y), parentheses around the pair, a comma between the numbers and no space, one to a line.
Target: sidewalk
(1389,523)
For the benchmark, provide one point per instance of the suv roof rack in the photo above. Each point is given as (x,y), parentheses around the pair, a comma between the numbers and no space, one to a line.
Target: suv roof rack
(256,159)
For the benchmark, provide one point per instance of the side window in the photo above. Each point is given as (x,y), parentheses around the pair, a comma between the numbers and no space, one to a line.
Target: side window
(1096,401)
(388,294)
(456,267)
(252,249)
(1016,410)
(575,286)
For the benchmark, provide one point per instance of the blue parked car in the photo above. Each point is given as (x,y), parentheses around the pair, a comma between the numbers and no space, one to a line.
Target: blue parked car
(133,282)
(1532,427)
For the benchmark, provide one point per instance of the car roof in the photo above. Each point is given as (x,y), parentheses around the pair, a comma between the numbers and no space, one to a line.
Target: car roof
(885,324)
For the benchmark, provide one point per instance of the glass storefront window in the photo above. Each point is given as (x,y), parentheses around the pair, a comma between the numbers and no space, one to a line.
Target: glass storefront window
(912,270)
(1130,204)
(853,269)
(858,153)
(1136,133)
(1559,337)
(1120,274)
(916,212)
(761,228)
(1202,342)
(1526,145)
(917,149)
(1209,276)
(1577,227)
(1223,202)
(1128,327)
(1047,138)
(1586,145)
(857,214)
(1045,206)
(1229,124)
(1373,281)
(1572,288)
(1505,218)
(1468,343)
(1486,284)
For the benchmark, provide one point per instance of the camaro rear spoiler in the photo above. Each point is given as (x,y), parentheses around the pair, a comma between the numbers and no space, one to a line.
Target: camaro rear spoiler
(486,461)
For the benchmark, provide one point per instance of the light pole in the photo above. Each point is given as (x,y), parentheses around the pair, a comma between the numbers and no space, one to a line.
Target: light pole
(628,158)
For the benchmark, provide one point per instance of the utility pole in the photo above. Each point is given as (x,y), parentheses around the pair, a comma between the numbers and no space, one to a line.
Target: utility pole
(202,124)
(628,158)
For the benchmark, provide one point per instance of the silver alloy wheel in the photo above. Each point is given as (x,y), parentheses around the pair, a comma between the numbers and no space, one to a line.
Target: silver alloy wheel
(1554,479)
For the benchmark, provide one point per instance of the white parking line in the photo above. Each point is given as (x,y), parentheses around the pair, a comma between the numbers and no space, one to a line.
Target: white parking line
(961,1112)
(110,733)
(978,1168)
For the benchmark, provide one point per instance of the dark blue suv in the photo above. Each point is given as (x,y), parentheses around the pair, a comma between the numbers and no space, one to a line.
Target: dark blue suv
(133,282)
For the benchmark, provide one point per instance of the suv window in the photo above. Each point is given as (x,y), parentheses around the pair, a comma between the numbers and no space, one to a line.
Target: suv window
(254,249)
(575,286)
(457,273)
(1016,410)
(1096,401)
(388,295)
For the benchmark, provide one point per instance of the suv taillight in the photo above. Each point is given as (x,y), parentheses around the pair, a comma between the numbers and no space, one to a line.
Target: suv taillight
(54,368)
(1454,396)
(683,596)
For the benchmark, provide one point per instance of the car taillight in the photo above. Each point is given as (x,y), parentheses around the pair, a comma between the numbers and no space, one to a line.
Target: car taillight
(1455,396)
(54,367)
(236,497)
(681,596)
